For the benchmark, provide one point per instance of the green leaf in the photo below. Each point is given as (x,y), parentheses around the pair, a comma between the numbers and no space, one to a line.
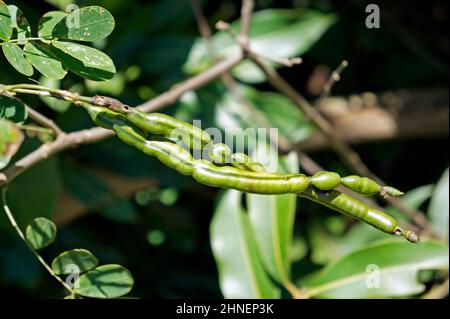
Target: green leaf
(48,22)
(273,110)
(81,258)
(279,33)
(439,206)
(107,281)
(10,140)
(19,23)
(86,24)
(84,61)
(272,220)
(44,61)
(387,268)
(241,273)
(12,109)
(40,233)
(14,55)
(5,22)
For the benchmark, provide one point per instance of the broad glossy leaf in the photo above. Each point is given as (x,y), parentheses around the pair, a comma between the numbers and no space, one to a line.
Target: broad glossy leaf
(20,24)
(387,268)
(277,33)
(107,281)
(41,232)
(84,61)
(85,24)
(267,109)
(44,61)
(15,57)
(241,273)
(83,259)
(439,206)
(272,220)
(11,138)
(12,109)
(48,22)
(5,22)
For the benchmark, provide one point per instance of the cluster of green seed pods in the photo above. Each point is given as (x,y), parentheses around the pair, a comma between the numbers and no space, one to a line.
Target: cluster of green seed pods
(134,128)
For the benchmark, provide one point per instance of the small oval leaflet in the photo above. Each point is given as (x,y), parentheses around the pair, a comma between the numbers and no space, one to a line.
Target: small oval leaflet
(40,233)
(107,281)
(86,24)
(84,61)
(44,61)
(82,258)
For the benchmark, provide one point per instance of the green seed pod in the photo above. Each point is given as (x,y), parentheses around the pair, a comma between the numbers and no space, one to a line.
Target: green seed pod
(108,119)
(171,128)
(361,185)
(220,153)
(352,207)
(245,162)
(326,180)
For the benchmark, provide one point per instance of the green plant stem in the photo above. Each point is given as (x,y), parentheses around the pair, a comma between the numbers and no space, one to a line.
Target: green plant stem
(40,90)
(24,39)
(33,128)
(22,236)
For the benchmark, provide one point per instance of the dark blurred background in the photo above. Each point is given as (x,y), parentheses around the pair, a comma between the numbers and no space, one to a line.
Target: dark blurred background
(129,209)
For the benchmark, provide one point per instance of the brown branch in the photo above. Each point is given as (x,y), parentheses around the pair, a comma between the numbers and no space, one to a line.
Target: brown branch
(44,121)
(438,291)
(246,13)
(97,134)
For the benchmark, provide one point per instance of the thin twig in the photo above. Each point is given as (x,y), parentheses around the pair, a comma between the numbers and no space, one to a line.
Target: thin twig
(438,291)
(246,13)
(97,134)
(335,76)
(345,152)
(44,121)
(22,236)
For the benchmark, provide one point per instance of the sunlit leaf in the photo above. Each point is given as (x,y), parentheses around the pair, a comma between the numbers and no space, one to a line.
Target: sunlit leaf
(82,259)
(84,61)
(5,22)
(267,110)
(20,24)
(15,57)
(85,24)
(48,22)
(44,61)
(41,232)
(241,273)
(387,268)
(439,206)
(277,33)
(272,220)
(107,281)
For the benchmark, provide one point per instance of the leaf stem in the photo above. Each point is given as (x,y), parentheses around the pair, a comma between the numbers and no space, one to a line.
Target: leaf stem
(22,236)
